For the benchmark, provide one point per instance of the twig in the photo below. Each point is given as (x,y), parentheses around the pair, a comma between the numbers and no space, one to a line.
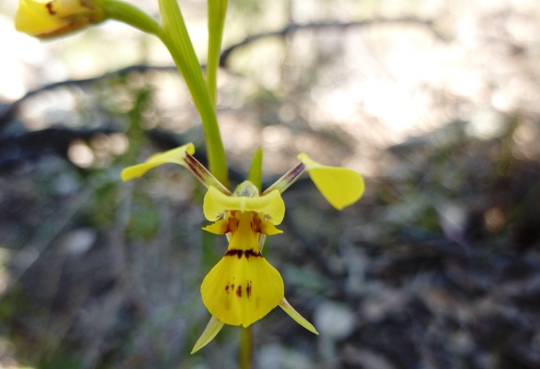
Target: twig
(291,28)
(14,149)
(11,109)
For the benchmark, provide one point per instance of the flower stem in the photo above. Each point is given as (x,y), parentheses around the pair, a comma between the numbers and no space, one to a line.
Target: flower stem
(217,11)
(175,36)
(246,347)
(131,15)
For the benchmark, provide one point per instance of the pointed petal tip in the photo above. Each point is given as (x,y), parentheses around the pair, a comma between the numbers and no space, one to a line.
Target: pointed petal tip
(212,329)
(196,348)
(295,315)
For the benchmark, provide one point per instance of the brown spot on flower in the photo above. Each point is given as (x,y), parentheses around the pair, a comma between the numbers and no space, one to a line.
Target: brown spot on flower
(227,288)
(233,252)
(256,224)
(248,289)
(49,7)
(240,253)
(250,252)
(239,291)
(233,223)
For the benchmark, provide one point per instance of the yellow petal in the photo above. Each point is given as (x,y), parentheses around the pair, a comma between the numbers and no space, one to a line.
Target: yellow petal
(284,304)
(219,227)
(182,156)
(340,186)
(271,206)
(212,329)
(33,17)
(176,156)
(269,229)
(48,18)
(241,289)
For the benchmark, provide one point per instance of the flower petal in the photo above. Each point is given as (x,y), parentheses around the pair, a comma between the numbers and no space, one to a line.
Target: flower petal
(340,186)
(182,156)
(284,304)
(49,18)
(212,329)
(287,179)
(242,288)
(271,206)
(176,156)
(218,227)
(267,228)
(34,18)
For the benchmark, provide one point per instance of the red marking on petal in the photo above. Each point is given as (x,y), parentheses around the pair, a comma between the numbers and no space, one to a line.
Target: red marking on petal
(240,253)
(248,289)
(250,252)
(49,7)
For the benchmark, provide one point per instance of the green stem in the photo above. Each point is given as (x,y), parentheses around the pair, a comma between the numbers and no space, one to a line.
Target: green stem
(175,36)
(246,347)
(217,11)
(131,15)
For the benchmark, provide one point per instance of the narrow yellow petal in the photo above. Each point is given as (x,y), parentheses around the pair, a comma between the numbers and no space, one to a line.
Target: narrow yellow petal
(176,156)
(242,288)
(212,329)
(340,186)
(219,227)
(271,206)
(269,229)
(284,304)
(182,156)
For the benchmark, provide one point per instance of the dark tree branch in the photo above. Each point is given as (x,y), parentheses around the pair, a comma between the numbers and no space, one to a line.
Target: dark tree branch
(11,109)
(32,145)
(291,28)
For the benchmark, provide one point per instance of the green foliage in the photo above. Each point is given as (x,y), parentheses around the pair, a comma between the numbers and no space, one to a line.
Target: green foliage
(60,362)
(100,211)
(144,220)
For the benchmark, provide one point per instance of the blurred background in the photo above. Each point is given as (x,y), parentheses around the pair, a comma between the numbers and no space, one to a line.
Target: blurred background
(436,103)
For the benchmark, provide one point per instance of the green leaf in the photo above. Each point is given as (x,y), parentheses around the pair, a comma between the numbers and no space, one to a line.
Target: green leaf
(255,171)
(217,11)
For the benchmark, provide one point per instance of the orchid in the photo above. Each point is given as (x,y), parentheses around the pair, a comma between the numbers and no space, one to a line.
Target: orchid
(243,287)
(51,18)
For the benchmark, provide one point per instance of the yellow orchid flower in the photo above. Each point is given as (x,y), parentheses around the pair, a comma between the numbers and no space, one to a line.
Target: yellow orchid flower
(51,18)
(243,287)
